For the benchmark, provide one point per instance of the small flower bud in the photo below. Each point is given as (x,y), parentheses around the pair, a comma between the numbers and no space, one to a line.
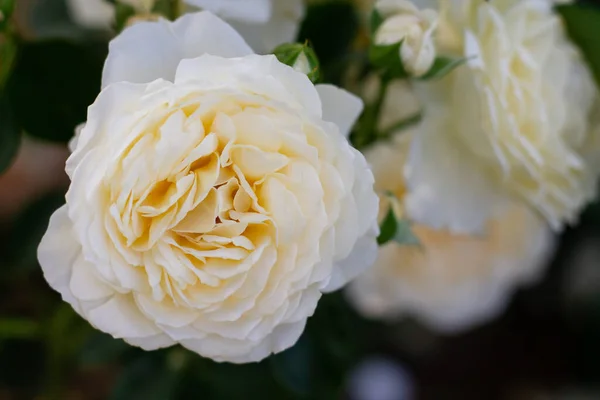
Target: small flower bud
(301,57)
(403,22)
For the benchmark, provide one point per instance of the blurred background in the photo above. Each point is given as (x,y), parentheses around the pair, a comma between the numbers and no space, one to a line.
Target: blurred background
(544,345)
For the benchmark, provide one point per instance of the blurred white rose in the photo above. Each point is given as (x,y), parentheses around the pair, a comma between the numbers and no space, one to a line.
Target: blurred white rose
(450,282)
(213,196)
(94,14)
(513,121)
(263,23)
(404,22)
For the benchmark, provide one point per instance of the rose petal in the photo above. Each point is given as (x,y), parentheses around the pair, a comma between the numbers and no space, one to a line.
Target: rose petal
(190,36)
(122,318)
(362,256)
(468,196)
(57,252)
(340,107)
(263,75)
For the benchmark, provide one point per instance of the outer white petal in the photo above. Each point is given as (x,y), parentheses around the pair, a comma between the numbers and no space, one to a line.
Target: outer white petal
(252,11)
(363,255)
(239,352)
(121,317)
(340,107)
(165,44)
(447,187)
(102,126)
(57,253)
(84,285)
(69,274)
(364,252)
(260,74)
(282,338)
(151,342)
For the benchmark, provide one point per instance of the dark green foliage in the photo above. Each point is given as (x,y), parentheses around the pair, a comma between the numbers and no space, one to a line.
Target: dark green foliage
(52,85)
(583,25)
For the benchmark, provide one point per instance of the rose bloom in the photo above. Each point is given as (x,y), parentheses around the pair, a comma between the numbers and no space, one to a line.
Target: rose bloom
(264,24)
(512,122)
(404,22)
(450,281)
(213,196)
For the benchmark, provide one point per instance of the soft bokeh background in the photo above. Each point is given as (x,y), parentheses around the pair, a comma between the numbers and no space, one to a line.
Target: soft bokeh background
(546,345)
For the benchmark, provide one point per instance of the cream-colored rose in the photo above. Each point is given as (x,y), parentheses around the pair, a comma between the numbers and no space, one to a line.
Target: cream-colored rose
(213,196)
(451,281)
(513,121)
(264,24)
(404,22)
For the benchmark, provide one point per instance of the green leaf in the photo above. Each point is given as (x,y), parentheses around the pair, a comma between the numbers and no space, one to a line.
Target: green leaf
(8,53)
(293,367)
(387,59)
(18,328)
(101,348)
(214,381)
(6,9)
(442,66)
(20,249)
(52,85)
(398,230)
(10,136)
(288,53)
(401,125)
(146,378)
(376,21)
(331,45)
(583,26)
(404,234)
(122,14)
(388,228)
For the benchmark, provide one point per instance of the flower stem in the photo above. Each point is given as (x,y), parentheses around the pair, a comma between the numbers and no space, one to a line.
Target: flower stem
(368,131)
(175,9)
(401,125)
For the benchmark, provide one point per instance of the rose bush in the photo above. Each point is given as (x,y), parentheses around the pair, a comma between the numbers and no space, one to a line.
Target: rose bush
(213,196)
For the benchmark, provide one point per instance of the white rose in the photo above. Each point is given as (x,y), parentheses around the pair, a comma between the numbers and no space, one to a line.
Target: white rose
(513,121)
(415,28)
(210,202)
(450,282)
(263,23)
